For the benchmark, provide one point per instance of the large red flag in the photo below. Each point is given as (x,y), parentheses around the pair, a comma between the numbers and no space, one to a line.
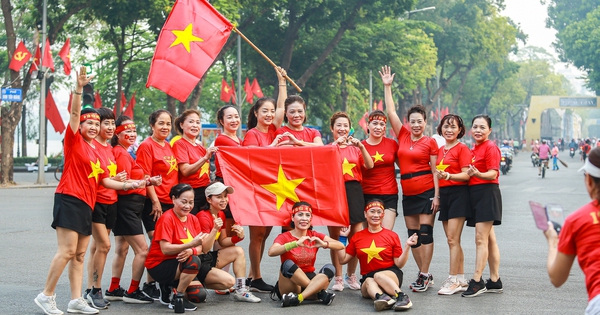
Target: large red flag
(20,57)
(35,65)
(97,100)
(363,121)
(130,107)
(256,89)
(268,184)
(53,114)
(48,62)
(248,90)
(189,42)
(225,91)
(65,55)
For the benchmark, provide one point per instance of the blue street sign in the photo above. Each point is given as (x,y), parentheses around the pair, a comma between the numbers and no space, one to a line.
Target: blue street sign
(12,95)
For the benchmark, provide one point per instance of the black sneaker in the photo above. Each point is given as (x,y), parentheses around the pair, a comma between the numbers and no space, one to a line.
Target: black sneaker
(383,302)
(402,302)
(290,299)
(494,287)
(423,283)
(137,297)
(151,290)
(325,297)
(165,293)
(187,305)
(114,295)
(415,282)
(258,285)
(475,288)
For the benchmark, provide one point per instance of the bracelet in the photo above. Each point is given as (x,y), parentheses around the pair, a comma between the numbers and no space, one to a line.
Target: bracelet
(77,93)
(326,244)
(194,251)
(290,245)
(125,186)
(236,239)
(447,176)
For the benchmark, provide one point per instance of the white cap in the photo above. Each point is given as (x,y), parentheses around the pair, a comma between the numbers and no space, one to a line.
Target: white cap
(217,188)
(590,168)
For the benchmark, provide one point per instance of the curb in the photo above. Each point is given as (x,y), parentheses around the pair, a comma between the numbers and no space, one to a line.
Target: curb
(30,186)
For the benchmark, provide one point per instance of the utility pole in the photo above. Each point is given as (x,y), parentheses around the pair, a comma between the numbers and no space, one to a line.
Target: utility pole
(42,141)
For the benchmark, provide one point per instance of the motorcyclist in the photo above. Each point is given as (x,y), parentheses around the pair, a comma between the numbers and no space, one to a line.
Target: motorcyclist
(573,146)
(586,149)
(544,153)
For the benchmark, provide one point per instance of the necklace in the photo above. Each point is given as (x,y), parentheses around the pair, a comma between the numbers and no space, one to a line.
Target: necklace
(413,143)
(448,150)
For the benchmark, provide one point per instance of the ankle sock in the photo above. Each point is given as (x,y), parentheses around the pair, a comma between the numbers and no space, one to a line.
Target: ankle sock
(133,286)
(115,283)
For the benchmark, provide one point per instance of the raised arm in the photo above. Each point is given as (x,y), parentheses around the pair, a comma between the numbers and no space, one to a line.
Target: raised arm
(82,80)
(387,77)
(280,110)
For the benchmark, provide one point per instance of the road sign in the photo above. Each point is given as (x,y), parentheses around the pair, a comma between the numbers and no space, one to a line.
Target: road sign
(12,95)
(88,68)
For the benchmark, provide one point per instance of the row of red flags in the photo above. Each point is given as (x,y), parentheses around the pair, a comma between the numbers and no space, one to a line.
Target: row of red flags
(22,56)
(228,91)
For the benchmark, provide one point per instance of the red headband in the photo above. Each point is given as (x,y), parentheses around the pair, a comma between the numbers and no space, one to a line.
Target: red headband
(301,208)
(374,204)
(89,116)
(378,117)
(122,128)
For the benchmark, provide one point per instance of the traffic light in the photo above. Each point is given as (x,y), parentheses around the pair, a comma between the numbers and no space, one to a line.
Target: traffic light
(88,95)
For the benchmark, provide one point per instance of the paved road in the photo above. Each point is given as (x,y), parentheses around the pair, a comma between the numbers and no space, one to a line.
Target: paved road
(29,244)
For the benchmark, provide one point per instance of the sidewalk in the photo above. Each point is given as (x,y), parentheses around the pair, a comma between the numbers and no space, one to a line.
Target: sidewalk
(29,179)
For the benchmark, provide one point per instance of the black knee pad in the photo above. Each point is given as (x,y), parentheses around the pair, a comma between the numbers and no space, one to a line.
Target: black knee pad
(426,234)
(328,270)
(288,268)
(418,232)
(196,293)
(191,265)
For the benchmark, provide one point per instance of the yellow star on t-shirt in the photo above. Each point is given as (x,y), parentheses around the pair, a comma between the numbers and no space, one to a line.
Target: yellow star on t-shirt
(284,188)
(188,239)
(377,157)
(347,167)
(112,168)
(372,251)
(172,161)
(184,37)
(442,167)
(96,170)
(204,169)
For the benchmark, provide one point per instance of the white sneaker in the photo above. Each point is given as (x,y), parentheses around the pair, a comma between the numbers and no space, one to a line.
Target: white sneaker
(352,282)
(338,284)
(80,306)
(243,295)
(449,287)
(464,285)
(47,304)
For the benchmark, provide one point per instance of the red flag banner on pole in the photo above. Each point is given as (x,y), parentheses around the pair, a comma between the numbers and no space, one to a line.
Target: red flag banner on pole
(268,184)
(363,121)
(97,100)
(48,62)
(35,65)
(129,110)
(256,89)
(248,90)
(225,91)
(65,55)
(20,57)
(189,42)
(53,114)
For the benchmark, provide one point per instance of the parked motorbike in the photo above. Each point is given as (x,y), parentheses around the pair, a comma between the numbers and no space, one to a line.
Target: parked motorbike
(535,160)
(572,152)
(506,160)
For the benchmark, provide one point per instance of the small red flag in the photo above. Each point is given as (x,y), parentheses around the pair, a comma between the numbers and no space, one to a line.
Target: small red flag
(363,121)
(65,55)
(48,62)
(248,90)
(233,94)
(188,44)
(256,89)
(130,107)
(123,104)
(268,184)
(70,100)
(225,91)
(97,100)
(20,57)
(35,65)
(53,115)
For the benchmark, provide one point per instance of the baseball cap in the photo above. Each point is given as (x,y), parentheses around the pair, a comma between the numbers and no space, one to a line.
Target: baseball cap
(217,188)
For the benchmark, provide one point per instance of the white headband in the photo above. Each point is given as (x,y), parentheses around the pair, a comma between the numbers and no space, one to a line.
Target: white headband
(590,168)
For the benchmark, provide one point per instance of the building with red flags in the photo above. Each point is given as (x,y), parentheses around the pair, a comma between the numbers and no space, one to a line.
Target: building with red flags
(189,42)
(270,182)
(256,90)
(65,56)
(53,114)
(20,57)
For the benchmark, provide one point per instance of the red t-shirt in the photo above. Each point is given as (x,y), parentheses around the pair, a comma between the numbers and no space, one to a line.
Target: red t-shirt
(381,179)
(223,141)
(255,137)
(352,163)
(155,160)
(185,152)
(125,162)
(580,236)
(83,171)
(207,222)
(304,257)
(107,160)
(415,160)
(486,156)
(169,228)
(452,161)
(375,251)
(306,134)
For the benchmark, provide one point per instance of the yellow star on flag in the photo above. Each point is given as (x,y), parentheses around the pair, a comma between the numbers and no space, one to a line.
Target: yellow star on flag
(377,157)
(204,170)
(284,188)
(372,251)
(442,167)
(184,37)
(188,239)
(172,163)
(347,167)
(112,169)
(96,170)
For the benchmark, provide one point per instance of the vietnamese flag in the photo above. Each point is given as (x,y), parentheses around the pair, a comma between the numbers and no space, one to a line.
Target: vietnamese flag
(248,90)
(225,91)
(97,100)
(65,55)
(268,183)
(48,62)
(256,90)
(363,122)
(129,110)
(53,115)
(20,57)
(35,65)
(188,44)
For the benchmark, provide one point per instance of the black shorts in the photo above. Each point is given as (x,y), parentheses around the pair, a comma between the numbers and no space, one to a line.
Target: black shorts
(227,211)
(418,204)
(208,261)
(129,215)
(454,202)
(486,202)
(72,213)
(394,269)
(199,200)
(356,202)
(390,201)
(166,271)
(105,214)
(148,220)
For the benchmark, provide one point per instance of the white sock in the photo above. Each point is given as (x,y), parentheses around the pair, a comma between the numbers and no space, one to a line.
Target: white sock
(452,278)
(240,283)
(461,277)
(425,274)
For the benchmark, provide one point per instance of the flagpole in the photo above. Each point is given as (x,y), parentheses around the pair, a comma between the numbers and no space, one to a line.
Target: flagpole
(42,145)
(267,58)
(239,75)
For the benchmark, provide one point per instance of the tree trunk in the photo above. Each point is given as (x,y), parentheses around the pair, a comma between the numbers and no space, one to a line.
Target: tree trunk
(344,92)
